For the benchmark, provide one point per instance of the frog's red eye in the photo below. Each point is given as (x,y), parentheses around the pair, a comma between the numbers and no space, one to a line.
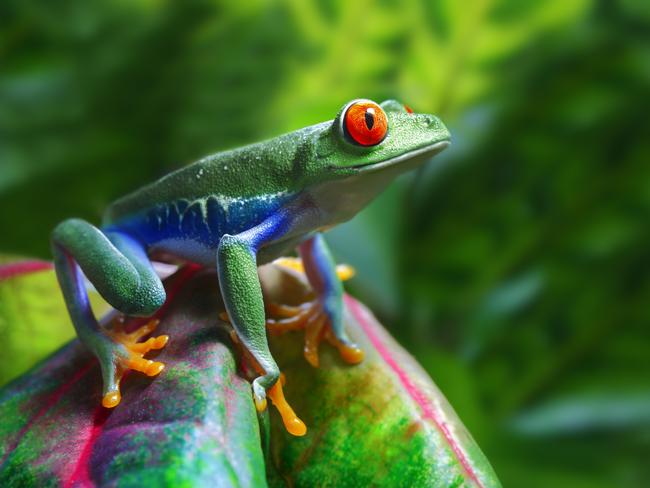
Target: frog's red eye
(365,123)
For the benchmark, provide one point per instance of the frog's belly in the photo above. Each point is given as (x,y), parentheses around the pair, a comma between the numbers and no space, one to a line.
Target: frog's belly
(199,253)
(186,249)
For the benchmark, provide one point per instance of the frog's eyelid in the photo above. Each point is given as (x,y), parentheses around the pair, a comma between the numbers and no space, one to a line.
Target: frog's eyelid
(393,106)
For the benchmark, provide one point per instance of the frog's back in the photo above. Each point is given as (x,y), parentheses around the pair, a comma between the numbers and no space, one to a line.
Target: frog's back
(225,193)
(257,170)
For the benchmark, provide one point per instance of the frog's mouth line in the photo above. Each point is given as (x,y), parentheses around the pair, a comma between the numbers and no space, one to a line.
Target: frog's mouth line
(419,155)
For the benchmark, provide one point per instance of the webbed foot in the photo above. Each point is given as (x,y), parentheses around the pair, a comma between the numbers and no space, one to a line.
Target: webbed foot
(123,353)
(312,318)
(261,391)
(291,422)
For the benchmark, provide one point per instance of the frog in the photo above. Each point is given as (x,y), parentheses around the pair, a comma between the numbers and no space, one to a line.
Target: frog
(235,211)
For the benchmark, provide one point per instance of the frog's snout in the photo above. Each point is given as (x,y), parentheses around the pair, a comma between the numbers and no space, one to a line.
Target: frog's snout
(426,120)
(432,124)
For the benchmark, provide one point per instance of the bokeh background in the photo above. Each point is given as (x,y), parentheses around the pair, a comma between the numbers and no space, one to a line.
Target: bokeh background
(515,267)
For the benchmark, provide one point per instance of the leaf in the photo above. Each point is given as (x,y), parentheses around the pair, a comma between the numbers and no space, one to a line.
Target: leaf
(33,319)
(380,423)
(615,410)
(195,424)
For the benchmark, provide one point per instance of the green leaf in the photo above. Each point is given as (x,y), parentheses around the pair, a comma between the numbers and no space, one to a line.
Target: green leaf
(379,423)
(192,426)
(33,319)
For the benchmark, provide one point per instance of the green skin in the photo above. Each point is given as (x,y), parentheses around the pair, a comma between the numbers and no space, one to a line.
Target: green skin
(235,211)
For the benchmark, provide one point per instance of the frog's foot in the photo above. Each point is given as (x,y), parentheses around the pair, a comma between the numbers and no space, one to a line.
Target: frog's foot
(343,271)
(127,353)
(311,317)
(291,421)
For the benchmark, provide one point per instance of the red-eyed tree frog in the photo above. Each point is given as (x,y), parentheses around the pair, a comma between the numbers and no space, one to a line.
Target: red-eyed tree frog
(236,210)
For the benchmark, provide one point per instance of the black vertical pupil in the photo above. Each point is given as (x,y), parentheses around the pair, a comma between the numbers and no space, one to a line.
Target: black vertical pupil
(370,118)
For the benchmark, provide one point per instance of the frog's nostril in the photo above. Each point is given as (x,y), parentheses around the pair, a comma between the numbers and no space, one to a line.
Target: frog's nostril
(427,120)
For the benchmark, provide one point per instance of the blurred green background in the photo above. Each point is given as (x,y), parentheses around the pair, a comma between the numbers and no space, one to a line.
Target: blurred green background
(516,267)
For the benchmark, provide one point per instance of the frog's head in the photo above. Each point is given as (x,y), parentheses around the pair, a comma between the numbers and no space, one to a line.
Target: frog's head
(365,147)
(371,137)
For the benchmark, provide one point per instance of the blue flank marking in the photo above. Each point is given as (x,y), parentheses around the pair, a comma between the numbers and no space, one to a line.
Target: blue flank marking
(184,220)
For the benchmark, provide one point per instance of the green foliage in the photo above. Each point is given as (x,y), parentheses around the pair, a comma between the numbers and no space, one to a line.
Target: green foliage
(33,320)
(196,424)
(539,278)
(515,265)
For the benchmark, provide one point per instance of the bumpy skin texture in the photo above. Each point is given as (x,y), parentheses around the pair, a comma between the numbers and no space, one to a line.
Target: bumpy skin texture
(237,210)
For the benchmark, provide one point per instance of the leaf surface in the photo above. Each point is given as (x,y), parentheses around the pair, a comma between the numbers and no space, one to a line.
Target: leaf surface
(192,425)
(380,423)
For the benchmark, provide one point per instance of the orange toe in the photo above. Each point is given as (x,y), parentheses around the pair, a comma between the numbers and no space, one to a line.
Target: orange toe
(111,399)
(260,405)
(154,368)
(351,354)
(292,423)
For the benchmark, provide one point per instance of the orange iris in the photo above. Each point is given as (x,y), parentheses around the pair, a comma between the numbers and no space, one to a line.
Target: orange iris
(366,123)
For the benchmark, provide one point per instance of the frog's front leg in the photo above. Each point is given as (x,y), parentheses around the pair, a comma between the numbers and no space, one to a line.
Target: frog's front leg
(322,318)
(120,270)
(320,269)
(242,296)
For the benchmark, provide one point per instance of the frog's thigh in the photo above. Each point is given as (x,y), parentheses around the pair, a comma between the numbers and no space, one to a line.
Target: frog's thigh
(148,293)
(115,264)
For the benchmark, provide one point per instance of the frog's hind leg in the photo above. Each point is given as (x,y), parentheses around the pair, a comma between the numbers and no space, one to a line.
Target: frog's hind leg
(118,267)
(323,317)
